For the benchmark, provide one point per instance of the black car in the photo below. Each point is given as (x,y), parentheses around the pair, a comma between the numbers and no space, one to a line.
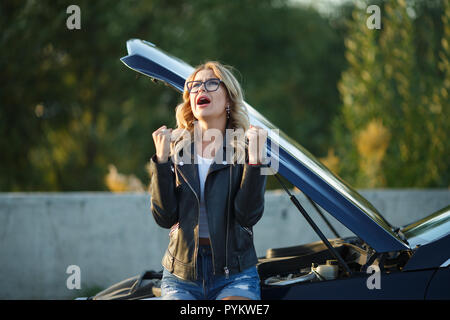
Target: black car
(381,262)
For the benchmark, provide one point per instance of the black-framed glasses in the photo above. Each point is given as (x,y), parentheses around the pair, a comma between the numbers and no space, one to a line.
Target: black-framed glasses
(209,85)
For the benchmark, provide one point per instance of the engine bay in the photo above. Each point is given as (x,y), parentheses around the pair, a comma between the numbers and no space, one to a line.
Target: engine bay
(314,262)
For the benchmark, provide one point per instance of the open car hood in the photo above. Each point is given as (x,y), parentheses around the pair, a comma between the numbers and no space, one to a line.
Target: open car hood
(295,163)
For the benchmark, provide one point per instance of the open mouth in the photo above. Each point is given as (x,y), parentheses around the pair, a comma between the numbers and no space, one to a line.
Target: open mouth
(203,101)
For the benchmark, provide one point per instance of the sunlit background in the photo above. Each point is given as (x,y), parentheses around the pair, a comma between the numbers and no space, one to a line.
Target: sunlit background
(372,104)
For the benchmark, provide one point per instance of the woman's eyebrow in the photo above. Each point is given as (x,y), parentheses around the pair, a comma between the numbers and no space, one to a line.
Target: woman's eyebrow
(214,78)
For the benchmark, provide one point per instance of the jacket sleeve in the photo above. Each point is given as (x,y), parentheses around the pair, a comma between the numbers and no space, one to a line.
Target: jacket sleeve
(249,199)
(164,203)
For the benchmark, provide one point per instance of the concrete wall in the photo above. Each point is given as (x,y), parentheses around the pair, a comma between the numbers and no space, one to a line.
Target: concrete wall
(112,237)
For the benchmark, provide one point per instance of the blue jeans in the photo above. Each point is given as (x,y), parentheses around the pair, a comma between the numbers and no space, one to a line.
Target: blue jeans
(209,286)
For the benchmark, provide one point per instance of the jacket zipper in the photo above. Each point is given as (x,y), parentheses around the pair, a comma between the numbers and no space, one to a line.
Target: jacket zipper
(247,230)
(210,238)
(226,270)
(198,218)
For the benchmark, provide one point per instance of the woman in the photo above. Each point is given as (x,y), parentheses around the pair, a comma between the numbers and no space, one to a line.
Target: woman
(209,203)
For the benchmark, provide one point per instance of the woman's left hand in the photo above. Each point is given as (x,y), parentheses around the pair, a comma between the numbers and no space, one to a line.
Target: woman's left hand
(257,138)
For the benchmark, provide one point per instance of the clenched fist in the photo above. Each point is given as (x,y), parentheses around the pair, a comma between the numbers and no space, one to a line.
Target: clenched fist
(162,138)
(257,138)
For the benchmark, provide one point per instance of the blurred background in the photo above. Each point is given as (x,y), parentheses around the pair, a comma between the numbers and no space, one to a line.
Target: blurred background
(372,104)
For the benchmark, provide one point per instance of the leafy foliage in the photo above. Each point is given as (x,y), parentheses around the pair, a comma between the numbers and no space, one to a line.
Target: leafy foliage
(395,115)
(71,110)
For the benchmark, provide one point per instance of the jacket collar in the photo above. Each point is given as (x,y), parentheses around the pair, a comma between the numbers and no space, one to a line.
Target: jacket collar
(190,170)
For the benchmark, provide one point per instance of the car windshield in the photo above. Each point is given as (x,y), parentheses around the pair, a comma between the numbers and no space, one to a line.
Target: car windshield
(429,228)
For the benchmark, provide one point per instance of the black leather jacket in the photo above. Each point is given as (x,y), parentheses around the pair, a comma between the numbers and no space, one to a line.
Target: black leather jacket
(233,209)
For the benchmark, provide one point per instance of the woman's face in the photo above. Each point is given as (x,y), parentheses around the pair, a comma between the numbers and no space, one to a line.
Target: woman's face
(208,105)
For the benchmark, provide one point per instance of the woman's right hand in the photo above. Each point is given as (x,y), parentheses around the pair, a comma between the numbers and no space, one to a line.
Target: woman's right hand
(161,138)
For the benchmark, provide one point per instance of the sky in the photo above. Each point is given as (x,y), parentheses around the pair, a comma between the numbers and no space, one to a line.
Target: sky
(323,6)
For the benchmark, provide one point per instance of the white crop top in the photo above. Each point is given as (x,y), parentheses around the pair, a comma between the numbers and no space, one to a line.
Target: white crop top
(203,167)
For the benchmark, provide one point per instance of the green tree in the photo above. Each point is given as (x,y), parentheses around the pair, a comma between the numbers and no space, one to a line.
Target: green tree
(395,105)
(71,108)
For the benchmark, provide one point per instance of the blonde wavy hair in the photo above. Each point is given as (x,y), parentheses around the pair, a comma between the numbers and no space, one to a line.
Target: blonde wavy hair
(238,121)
